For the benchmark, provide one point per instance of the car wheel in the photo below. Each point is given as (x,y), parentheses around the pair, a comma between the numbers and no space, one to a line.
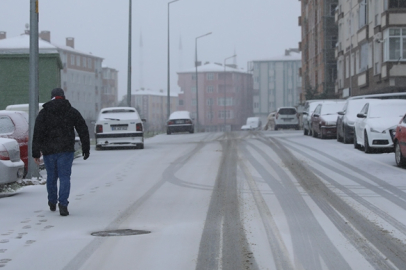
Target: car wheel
(339,139)
(98,147)
(322,136)
(367,148)
(314,133)
(356,145)
(168,133)
(276,127)
(310,132)
(140,146)
(399,158)
(305,131)
(345,137)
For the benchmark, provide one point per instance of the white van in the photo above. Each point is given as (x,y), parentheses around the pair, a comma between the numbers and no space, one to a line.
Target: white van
(22,107)
(253,123)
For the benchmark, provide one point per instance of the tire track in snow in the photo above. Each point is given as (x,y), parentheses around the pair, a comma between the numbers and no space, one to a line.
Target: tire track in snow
(223,228)
(309,240)
(391,248)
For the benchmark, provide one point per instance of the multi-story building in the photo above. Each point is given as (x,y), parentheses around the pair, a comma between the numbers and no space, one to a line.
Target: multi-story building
(276,83)
(371,50)
(81,77)
(318,43)
(109,95)
(224,96)
(14,70)
(152,106)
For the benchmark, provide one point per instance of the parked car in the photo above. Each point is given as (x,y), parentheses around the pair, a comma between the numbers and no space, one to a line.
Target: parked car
(324,119)
(180,121)
(253,123)
(308,110)
(14,125)
(399,142)
(11,165)
(375,122)
(119,127)
(346,119)
(286,117)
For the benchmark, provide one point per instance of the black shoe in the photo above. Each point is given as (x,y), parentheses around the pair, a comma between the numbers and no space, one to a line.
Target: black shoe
(63,210)
(52,206)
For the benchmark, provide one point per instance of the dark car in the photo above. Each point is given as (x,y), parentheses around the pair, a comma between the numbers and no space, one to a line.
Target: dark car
(14,125)
(324,119)
(400,143)
(180,121)
(346,119)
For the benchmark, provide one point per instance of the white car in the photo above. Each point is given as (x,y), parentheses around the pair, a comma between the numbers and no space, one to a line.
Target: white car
(11,165)
(375,122)
(254,123)
(119,127)
(286,117)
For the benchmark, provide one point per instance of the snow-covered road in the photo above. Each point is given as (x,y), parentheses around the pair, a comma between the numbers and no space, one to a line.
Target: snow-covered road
(240,200)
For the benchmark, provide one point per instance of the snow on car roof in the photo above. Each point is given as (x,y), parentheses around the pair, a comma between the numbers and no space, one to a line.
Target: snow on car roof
(180,115)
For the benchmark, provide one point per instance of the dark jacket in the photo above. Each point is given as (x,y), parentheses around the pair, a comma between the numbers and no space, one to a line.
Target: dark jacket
(54,129)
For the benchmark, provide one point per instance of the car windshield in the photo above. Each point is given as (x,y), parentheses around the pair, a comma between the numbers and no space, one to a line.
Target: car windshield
(355,107)
(331,108)
(387,110)
(287,111)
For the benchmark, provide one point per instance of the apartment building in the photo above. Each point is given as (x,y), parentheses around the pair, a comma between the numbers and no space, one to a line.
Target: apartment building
(318,43)
(81,77)
(371,48)
(224,96)
(276,83)
(109,95)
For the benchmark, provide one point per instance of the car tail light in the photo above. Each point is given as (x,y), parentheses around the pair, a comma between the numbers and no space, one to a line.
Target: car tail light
(171,122)
(139,127)
(99,129)
(4,155)
(188,122)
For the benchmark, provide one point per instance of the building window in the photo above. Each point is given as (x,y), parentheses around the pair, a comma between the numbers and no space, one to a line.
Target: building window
(363,62)
(210,115)
(256,105)
(225,114)
(193,102)
(72,59)
(333,42)
(210,76)
(78,60)
(362,14)
(89,63)
(193,89)
(395,44)
(210,89)
(228,102)
(333,9)
(395,4)
(84,61)
(180,102)
(193,77)
(209,101)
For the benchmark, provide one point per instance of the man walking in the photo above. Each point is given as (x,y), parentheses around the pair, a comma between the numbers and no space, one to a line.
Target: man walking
(54,137)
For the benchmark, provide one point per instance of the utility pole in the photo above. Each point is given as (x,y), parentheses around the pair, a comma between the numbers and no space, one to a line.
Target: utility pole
(129,57)
(33,86)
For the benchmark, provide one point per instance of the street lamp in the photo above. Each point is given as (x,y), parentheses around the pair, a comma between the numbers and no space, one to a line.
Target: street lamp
(197,96)
(169,80)
(225,115)
(129,57)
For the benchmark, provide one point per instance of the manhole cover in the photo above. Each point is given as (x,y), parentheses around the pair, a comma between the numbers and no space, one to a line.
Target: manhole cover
(125,232)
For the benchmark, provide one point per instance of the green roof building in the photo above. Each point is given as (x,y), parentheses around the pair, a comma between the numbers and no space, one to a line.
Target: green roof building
(14,70)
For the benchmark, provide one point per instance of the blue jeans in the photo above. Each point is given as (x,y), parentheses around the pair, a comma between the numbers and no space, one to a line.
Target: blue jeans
(59,166)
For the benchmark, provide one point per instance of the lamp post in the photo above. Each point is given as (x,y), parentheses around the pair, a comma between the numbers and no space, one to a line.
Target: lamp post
(168,111)
(129,57)
(197,96)
(33,85)
(225,88)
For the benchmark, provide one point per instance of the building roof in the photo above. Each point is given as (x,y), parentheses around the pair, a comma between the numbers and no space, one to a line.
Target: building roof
(149,92)
(70,49)
(211,67)
(292,56)
(21,45)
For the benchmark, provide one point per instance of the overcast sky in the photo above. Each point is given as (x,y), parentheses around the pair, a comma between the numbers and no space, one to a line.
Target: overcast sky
(254,29)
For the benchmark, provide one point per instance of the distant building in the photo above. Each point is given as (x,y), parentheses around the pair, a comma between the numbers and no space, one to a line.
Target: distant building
(81,77)
(152,106)
(318,43)
(225,96)
(14,70)
(371,55)
(109,95)
(276,83)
